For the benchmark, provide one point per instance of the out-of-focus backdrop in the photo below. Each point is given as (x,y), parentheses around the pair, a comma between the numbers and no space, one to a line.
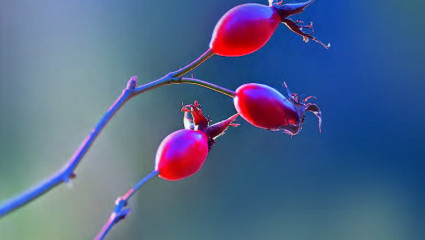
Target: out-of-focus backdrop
(62,63)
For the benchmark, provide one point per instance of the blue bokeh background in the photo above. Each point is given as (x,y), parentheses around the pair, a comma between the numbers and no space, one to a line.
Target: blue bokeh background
(62,63)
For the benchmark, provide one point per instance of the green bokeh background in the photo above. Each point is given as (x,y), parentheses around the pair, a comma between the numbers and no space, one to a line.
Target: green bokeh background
(62,63)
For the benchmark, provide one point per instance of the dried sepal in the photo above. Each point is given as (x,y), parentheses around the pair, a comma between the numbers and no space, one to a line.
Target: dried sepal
(311,107)
(202,123)
(198,118)
(301,107)
(289,9)
(218,129)
(188,122)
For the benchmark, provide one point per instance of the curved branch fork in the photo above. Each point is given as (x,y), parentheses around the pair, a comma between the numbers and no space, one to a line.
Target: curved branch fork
(120,210)
(130,91)
(67,172)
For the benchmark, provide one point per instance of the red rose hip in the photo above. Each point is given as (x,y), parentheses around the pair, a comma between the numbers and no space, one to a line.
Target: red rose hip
(181,154)
(246,28)
(264,107)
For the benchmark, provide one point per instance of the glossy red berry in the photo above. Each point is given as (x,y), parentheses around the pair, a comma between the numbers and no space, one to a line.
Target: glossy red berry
(246,28)
(264,107)
(181,154)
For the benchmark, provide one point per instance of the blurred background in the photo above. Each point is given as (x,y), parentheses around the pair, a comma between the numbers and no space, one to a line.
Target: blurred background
(62,63)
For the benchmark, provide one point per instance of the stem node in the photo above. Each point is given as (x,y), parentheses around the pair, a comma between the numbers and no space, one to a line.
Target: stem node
(132,83)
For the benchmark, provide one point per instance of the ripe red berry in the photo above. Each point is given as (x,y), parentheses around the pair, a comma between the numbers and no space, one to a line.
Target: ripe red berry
(181,154)
(264,107)
(246,28)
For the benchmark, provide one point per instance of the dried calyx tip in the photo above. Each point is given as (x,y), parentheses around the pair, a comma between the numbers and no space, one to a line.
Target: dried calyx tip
(202,123)
(289,9)
(303,106)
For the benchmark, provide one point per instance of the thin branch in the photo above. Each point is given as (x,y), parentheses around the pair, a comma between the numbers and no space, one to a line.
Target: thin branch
(211,86)
(120,210)
(182,71)
(67,172)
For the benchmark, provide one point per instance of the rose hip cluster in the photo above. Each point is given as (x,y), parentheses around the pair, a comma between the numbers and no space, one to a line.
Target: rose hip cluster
(183,152)
(242,30)
(246,28)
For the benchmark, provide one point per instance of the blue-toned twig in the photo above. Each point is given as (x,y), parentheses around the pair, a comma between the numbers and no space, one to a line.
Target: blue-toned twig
(120,210)
(67,172)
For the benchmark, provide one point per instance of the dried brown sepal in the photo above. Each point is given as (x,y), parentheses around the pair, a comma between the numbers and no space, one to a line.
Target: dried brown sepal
(198,118)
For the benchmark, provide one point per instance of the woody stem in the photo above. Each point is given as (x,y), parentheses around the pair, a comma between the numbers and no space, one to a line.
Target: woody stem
(67,171)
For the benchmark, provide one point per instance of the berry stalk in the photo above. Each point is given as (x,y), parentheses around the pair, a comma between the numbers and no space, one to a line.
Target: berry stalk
(120,210)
